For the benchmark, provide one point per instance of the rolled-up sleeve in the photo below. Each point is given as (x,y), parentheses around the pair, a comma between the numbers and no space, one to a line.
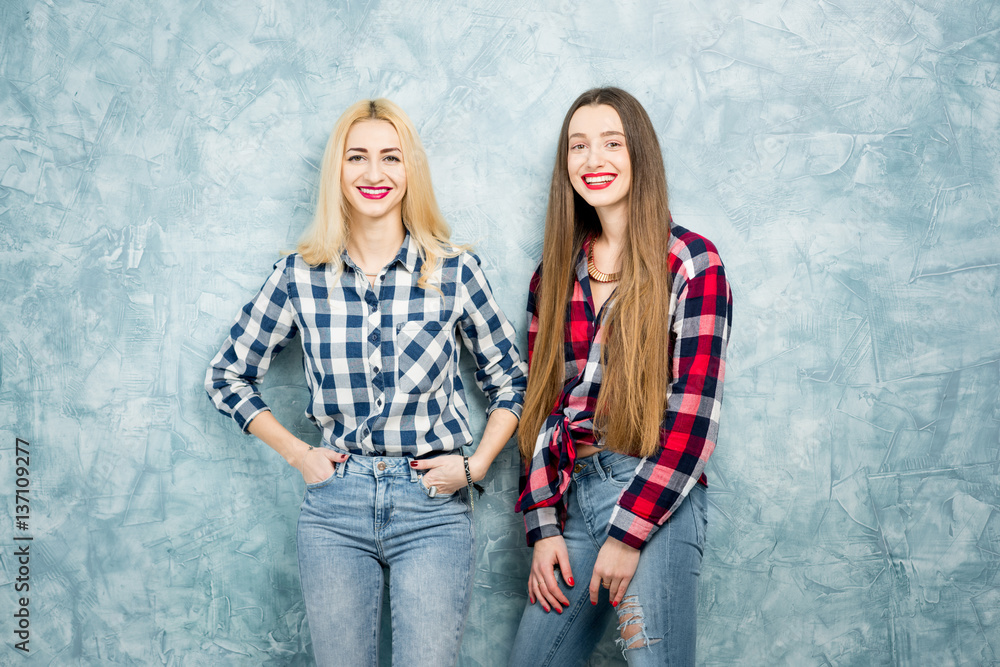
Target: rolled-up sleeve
(690,428)
(263,327)
(501,373)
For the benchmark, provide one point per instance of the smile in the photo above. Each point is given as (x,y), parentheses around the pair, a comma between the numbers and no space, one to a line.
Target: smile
(374,193)
(598,181)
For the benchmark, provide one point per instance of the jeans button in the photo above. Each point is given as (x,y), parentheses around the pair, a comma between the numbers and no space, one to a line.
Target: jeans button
(578,468)
(381,465)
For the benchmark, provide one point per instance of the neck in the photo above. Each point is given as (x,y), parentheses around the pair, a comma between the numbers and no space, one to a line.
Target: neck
(609,244)
(373,243)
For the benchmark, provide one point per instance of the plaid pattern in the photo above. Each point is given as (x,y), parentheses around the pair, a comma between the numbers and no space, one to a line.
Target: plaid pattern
(381,361)
(701,311)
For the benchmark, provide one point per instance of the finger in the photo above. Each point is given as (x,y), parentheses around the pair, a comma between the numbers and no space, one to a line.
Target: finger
(538,588)
(595,587)
(428,464)
(562,556)
(548,590)
(336,457)
(556,596)
(617,591)
(534,595)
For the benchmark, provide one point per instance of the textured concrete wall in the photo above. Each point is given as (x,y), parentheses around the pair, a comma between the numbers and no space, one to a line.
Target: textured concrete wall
(156,156)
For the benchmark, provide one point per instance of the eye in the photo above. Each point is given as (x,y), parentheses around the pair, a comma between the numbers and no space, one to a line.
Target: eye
(392,158)
(576,147)
(357,157)
(614,144)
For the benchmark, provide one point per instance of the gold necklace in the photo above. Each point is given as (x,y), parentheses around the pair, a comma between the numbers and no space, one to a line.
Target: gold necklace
(596,273)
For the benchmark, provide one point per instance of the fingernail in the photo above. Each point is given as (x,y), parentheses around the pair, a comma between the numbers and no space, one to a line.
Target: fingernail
(559,609)
(413,464)
(571,581)
(593,603)
(532,600)
(546,610)
(614,604)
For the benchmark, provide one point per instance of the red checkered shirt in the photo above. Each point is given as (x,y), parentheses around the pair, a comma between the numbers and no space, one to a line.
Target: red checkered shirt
(701,308)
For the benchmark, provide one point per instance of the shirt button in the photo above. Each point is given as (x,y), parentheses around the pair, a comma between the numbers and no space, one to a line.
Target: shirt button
(378,402)
(381,465)
(375,369)
(374,337)
(578,468)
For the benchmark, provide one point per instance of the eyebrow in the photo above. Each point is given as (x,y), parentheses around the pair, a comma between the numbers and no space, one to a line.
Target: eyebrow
(383,151)
(608,133)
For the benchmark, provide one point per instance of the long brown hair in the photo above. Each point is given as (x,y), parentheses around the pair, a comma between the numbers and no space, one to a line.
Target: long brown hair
(635,361)
(326,238)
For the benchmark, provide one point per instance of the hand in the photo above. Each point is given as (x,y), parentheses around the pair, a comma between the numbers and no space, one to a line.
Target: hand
(317,463)
(447,473)
(615,566)
(549,553)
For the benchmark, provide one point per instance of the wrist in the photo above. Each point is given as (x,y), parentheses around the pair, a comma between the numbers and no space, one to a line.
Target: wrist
(478,467)
(297,453)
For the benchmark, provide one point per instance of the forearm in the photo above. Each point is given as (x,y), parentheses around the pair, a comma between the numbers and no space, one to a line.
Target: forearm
(268,429)
(500,428)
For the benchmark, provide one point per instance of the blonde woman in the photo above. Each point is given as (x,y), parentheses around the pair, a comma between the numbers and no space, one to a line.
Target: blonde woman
(627,347)
(379,298)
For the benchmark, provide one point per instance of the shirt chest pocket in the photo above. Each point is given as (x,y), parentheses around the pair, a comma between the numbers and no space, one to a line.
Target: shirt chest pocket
(423,355)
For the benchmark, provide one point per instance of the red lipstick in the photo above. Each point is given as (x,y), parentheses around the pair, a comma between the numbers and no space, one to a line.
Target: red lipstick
(374,193)
(599,181)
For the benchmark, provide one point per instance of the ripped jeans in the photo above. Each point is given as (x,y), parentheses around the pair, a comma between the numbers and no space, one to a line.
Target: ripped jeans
(658,612)
(374,512)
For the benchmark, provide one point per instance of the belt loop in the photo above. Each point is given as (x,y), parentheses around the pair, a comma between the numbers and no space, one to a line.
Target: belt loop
(596,458)
(342,467)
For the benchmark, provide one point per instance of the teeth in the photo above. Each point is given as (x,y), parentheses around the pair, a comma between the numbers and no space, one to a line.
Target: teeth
(599,179)
(374,191)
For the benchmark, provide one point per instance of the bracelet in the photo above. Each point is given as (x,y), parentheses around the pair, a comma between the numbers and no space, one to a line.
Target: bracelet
(470,483)
(468,475)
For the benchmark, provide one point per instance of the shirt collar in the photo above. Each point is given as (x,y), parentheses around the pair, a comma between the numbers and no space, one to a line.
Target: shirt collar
(408,256)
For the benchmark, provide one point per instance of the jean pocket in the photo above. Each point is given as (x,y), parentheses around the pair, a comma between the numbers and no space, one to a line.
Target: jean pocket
(322,483)
(620,468)
(698,500)
(423,355)
(437,495)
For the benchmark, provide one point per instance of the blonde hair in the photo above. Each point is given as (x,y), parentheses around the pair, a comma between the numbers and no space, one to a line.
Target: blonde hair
(633,393)
(326,238)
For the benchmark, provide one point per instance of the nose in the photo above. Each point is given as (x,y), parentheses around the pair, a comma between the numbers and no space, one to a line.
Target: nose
(374,171)
(595,158)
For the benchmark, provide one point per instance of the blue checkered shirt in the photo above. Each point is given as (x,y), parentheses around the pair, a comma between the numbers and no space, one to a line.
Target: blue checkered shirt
(381,360)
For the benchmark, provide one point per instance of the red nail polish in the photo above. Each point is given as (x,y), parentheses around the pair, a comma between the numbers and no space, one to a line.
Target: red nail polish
(559,609)
(413,464)
(614,604)
(571,581)
(593,603)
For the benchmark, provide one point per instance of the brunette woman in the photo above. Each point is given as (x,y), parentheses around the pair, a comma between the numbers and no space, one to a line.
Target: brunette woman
(630,316)
(380,298)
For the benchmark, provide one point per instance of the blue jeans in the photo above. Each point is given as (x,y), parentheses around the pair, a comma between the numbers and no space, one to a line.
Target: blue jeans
(374,512)
(662,598)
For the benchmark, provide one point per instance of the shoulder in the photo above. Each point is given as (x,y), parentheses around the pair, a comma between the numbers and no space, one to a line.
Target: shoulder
(468,265)
(536,278)
(691,254)
(292,269)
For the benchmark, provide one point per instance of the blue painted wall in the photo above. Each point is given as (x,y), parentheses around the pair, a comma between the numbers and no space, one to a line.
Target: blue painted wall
(156,156)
